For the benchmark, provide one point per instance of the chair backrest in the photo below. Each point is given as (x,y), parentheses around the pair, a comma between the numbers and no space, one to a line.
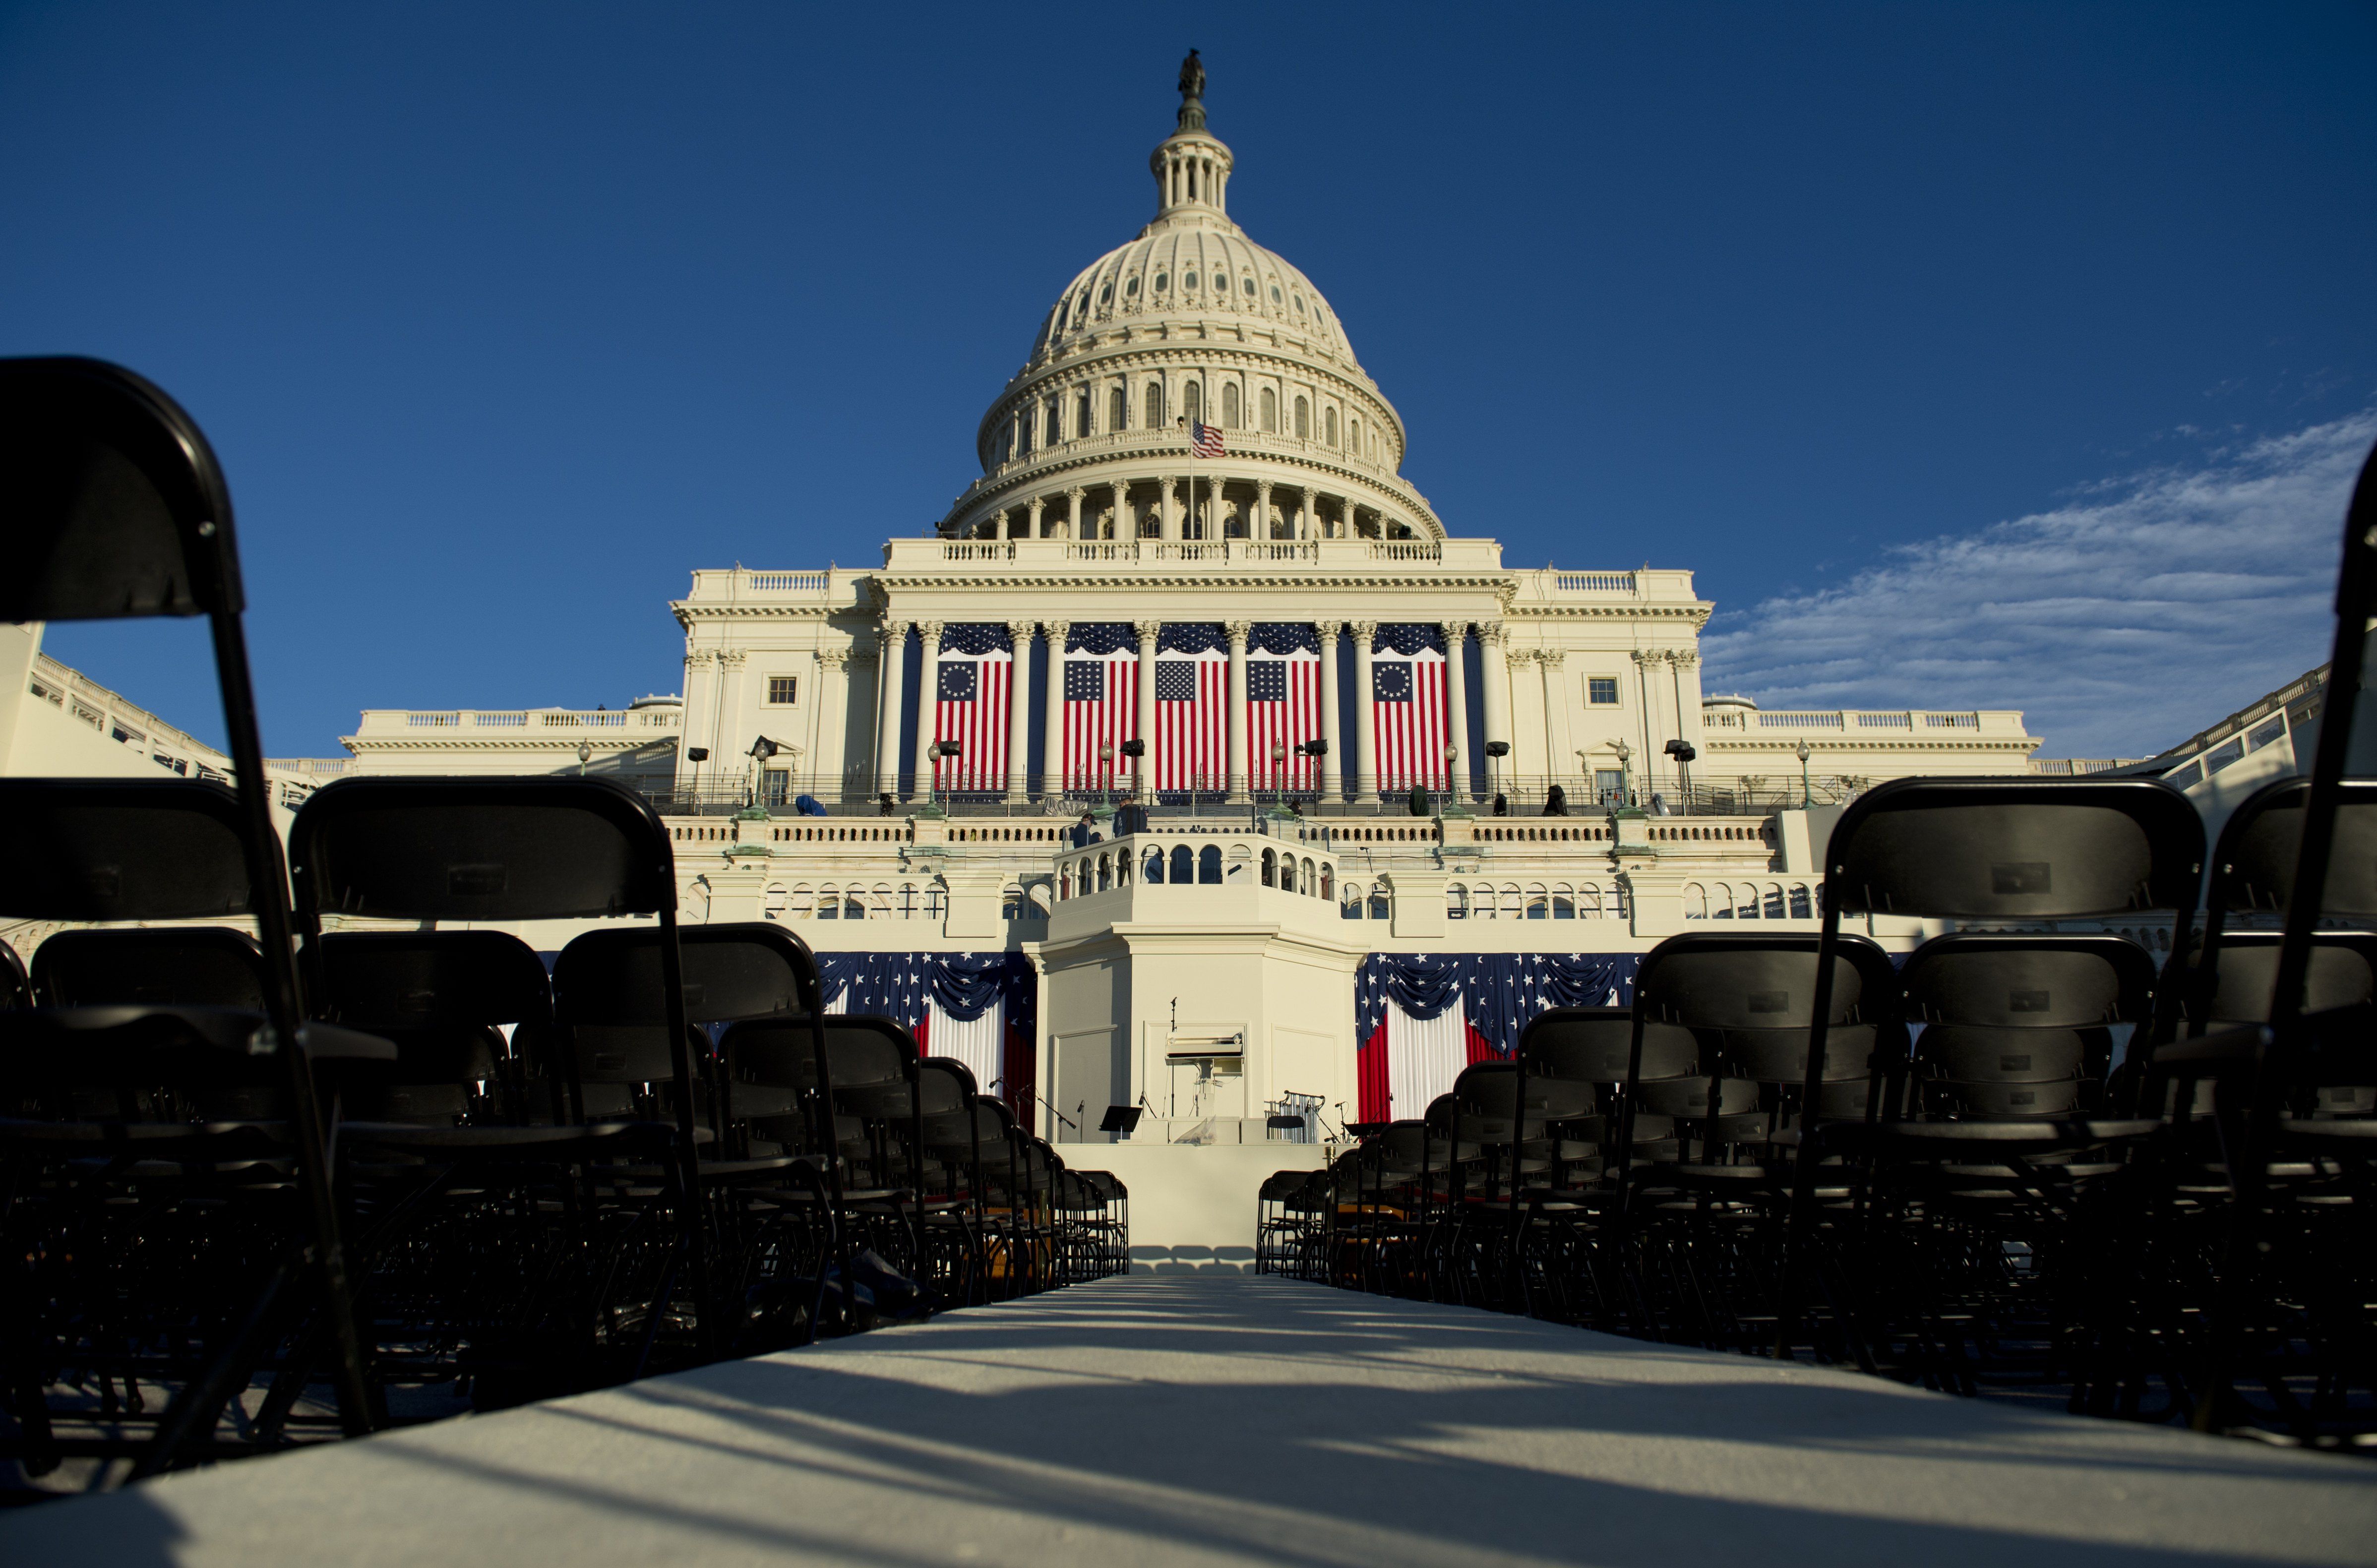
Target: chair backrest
(2015,849)
(1712,980)
(1591,1045)
(16,989)
(2017,980)
(480,849)
(189,966)
(402,980)
(733,973)
(2343,973)
(121,849)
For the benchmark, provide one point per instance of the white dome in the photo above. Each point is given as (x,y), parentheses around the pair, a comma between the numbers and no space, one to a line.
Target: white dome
(1189,270)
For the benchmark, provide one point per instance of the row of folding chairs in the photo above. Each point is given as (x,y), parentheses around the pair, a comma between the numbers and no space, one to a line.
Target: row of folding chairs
(265,1128)
(2017,1157)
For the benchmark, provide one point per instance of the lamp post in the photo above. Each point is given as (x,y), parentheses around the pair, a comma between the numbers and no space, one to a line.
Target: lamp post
(1278,773)
(1624,783)
(952,749)
(761,750)
(1495,752)
(585,751)
(1683,751)
(1806,794)
(1450,752)
(1106,776)
(697,755)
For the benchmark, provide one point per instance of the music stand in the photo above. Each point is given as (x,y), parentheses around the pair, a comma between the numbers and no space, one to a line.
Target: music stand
(1121,1121)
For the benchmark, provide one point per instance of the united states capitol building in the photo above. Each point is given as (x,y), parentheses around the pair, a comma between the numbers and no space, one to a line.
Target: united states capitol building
(1194,720)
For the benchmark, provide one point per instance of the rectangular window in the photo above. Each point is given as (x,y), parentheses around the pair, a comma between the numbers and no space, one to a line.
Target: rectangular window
(1601,690)
(782,690)
(775,786)
(1610,784)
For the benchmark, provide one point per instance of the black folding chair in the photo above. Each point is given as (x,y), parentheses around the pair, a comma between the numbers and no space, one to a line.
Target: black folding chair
(2009,851)
(116,508)
(15,988)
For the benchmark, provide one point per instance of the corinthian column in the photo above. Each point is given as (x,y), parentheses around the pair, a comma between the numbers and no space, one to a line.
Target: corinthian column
(1145,775)
(1326,632)
(1494,645)
(1019,707)
(1366,696)
(1075,496)
(928,685)
(892,647)
(1238,632)
(1170,527)
(1052,754)
(1456,681)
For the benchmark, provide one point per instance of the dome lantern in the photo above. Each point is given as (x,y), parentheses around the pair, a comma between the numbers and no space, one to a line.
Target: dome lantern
(1191,166)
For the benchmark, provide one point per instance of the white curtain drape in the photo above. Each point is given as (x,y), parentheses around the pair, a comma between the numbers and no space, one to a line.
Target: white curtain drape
(1424,1059)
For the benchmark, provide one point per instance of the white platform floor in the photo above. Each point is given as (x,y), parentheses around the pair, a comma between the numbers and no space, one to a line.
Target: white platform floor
(1219,1418)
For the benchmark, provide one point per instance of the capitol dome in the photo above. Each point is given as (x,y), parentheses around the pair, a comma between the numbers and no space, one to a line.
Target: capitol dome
(1191,323)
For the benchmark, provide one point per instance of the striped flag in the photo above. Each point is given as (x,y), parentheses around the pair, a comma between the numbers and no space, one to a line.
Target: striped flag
(1420,1018)
(1207,439)
(1407,710)
(1283,705)
(1100,704)
(1193,710)
(970,693)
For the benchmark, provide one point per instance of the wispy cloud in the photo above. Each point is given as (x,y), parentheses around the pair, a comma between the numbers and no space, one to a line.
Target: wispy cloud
(2122,623)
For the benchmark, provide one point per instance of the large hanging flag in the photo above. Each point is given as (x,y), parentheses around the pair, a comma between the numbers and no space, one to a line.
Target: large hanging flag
(1283,705)
(1407,709)
(976,1007)
(1101,705)
(972,692)
(1193,710)
(1420,1018)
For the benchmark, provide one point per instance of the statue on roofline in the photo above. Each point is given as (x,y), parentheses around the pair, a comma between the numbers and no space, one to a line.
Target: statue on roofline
(1192,76)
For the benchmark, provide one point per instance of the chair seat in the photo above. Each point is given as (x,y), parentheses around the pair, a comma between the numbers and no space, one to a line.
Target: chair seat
(502,1141)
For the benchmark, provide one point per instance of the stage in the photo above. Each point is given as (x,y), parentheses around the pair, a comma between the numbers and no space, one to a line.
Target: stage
(1205,1418)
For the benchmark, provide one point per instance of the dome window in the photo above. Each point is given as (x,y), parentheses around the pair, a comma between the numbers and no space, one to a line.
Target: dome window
(1131,289)
(1163,281)
(1250,287)
(1274,293)
(1189,281)
(1105,295)
(1299,304)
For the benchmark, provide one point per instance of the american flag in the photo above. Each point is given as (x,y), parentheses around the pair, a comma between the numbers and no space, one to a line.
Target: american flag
(1100,704)
(1207,439)
(1283,704)
(1420,1018)
(1193,710)
(1407,710)
(971,694)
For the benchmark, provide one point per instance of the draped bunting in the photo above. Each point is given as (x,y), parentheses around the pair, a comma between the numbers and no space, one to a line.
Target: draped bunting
(1192,637)
(960,987)
(1407,1049)
(1408,639)
(1283,638)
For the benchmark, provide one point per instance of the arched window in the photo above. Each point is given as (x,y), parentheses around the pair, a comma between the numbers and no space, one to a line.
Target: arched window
(1539,903)
(1800,909)
(1105,873)
(1081,416)
(1353,435)
(1183,872)
(851,907)
(828,902)
(1456,903)
(1151,415)
(1153,871)
(1270,868)
(1303,420)
(1305,884)
(1064,885)
(1230,405)
(1270,409)
(1328,426)
(1192,402)
(776,899)
(1328,875)
(1379,906)
(1773,901)
(1352,908)
(802,904)
(1024,433)
(1209,864)
(1118,417)
(1012,904)
(1563,903)
(1509,901)
(1695,901)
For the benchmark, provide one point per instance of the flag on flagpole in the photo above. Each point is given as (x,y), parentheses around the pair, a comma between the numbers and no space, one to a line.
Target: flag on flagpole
(1207,440)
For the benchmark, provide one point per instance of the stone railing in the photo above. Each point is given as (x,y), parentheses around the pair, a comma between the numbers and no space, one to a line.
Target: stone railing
(932,554)
(645,722)
(1845,721)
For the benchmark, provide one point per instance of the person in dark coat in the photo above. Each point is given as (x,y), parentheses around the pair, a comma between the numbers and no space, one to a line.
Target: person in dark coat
(1556,802)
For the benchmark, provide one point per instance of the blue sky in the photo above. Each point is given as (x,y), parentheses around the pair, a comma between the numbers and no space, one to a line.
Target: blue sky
(1988,355)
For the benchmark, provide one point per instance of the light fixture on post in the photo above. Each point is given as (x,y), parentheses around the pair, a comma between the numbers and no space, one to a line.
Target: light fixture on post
(950,749)
(585,752)
(761,750)
(1106,776)
(1683,751)
(697,755)
(1278,774)
(1806,793)
(1495,752)
(1625,781)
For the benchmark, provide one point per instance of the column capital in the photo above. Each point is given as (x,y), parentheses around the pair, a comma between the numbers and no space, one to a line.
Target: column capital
(1328,631)
(1057,631)
(1038,503)
(1239,631)
(1495,632)
(1645,657)
(1454,632)
(1021,633)
(930,631)
(1684,658)
(732,658)
(1148,631)
(1553,658)
(1365,630)
(889,632)
(700,659)
(1077,493)
(1167,481)
(834,658)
